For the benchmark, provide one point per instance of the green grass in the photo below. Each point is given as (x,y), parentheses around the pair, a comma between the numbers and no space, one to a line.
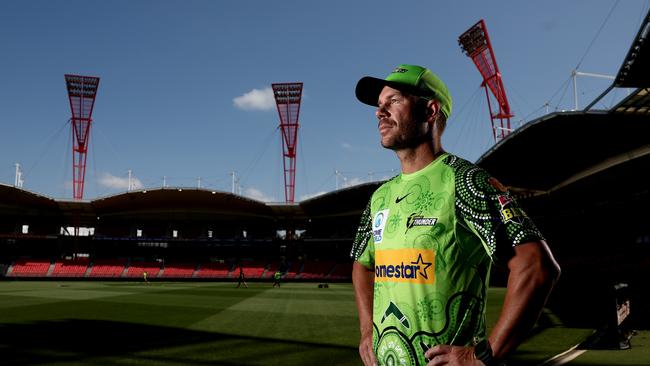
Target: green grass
(128,323)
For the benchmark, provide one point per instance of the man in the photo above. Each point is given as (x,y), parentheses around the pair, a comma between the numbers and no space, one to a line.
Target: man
(428,237)
(242,278)
(276,278)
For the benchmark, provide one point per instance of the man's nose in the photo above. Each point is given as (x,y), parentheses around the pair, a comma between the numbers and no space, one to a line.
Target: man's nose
(381,112)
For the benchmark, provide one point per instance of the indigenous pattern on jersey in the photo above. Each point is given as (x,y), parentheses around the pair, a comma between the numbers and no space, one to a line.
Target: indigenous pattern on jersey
(430,238)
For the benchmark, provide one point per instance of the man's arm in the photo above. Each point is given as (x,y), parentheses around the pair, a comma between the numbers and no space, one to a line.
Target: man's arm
(363,280)
(533,273)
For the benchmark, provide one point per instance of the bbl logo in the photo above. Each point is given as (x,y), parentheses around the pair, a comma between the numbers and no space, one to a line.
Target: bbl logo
(509,212)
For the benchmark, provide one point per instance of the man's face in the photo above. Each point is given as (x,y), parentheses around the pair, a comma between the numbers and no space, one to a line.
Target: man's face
(398,127)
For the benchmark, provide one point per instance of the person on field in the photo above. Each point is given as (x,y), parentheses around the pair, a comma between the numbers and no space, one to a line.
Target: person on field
(277,276)
(242,278)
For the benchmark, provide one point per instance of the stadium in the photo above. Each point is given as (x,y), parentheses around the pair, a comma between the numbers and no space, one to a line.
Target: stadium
(73,290)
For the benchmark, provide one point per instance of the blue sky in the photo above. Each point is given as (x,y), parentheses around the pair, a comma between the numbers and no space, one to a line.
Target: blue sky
(182,90)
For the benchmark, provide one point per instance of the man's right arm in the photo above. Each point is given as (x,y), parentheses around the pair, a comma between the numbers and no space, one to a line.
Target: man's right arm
(363,280)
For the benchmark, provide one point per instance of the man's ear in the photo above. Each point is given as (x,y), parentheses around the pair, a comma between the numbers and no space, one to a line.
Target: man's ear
(433,108)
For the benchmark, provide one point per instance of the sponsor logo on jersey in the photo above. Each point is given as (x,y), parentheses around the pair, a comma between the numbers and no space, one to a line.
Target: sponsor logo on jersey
(419,220)
(504,200)
(513,214)
(378,224)
(399,199)
(405,265)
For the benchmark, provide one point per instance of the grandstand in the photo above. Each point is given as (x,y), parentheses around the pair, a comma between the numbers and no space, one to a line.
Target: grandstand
(178,234)
(29,268)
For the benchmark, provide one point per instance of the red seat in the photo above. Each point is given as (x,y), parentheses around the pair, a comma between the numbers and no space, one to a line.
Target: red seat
(316,270)
(107,268)
(213,270)
(137,268)
(70,267)
(30,268)
(179,270)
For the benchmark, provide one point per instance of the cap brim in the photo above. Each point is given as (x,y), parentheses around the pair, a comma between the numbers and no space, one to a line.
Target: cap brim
(369,88)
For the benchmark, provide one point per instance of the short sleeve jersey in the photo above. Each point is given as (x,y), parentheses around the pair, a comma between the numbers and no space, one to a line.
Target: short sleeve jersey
(431,237)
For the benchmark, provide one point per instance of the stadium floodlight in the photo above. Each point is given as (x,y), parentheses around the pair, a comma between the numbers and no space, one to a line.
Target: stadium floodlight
(287,98)
(82,91)
(475,43)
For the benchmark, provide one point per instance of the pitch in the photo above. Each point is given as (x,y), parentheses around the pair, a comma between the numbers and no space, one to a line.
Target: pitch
(130,323)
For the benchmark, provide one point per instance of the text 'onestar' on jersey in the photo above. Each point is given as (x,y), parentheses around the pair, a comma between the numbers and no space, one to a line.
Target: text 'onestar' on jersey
(404,265)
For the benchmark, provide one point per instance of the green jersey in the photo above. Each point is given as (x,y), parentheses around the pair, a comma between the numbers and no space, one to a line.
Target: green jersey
(431,237)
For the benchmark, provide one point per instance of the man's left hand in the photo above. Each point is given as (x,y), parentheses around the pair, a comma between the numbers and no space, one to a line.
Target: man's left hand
(451,356)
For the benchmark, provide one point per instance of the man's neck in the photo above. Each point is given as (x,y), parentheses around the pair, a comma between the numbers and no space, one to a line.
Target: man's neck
(414,159)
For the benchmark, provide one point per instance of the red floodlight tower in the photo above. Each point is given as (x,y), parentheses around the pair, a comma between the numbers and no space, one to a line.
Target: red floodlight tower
(287,98)
(475,42)
(82,91)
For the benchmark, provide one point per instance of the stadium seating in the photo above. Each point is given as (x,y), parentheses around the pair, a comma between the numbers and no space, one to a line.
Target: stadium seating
(107,268)
(70,267)
(120,268)
(316,270)
(293,270)
(30,268)
(179,270)
(342,271)
(252,269)
(137,268)
(213,270)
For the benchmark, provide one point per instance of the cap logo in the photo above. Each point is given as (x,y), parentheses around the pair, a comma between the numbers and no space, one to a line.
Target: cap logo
(400,70)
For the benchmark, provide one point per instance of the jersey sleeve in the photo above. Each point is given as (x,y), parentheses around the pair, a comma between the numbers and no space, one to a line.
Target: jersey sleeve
(363,244)
(492,213)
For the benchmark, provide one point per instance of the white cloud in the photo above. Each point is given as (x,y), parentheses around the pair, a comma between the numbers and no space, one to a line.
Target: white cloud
(110,181)
(256,99)
(256,194)
(347,146)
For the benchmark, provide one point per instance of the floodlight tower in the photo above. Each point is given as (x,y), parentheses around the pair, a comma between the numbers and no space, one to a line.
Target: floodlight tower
(82,91)
(475,42)
(287,98)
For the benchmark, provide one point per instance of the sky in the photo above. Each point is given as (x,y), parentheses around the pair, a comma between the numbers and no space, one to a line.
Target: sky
(184,96)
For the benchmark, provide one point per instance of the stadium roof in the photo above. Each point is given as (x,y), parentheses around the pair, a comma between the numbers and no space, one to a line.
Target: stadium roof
(634,74)
(180,200)
(351,200)
(559,149)
(16,197)
(634,71)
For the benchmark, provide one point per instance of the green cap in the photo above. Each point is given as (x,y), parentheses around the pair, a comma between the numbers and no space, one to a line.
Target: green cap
(413,79)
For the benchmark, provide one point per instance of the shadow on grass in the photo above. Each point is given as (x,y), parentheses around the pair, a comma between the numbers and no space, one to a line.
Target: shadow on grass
(91,341)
